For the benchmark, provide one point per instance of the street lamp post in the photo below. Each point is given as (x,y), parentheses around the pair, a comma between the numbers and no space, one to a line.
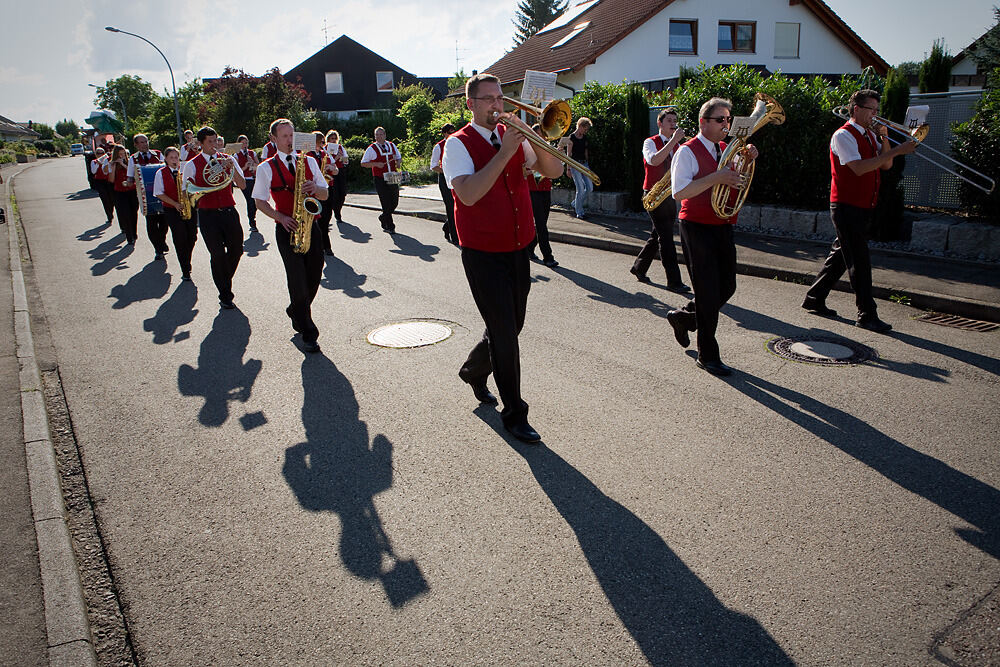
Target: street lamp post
(121,102)
(177,109)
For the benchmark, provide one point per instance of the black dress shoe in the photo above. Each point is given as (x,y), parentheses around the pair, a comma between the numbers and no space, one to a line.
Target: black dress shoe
(676,319)
(714,367)
(483,394)
(874,324)
(641,277)
(328,252)
(186,277)
(310,347)
(818,308)
(228,305)
(550,262)
(680,288)
(523,432)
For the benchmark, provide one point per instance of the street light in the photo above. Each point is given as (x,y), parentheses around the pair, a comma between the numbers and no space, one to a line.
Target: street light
(121,102)
(177,109)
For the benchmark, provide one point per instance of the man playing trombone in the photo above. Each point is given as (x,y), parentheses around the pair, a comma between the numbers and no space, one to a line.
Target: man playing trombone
(484,165)
(857,155)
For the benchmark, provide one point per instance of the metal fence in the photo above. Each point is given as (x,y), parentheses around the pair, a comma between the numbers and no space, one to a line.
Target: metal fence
(925,184)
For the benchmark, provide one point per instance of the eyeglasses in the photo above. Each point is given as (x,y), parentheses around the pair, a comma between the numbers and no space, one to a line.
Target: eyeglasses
(872,109)
(720,119)
(490,99)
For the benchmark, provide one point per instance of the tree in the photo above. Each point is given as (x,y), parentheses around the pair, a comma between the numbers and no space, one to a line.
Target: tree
(458,80)
(161,124)
(986,50)
(130,92)
(239,103)
(533,15)
(43,130)
(895,100)
(935,71)
(908,68)
(68,129)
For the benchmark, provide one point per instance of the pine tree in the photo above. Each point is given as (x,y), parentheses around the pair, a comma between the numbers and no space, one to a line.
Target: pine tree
(935,71)
(533,15)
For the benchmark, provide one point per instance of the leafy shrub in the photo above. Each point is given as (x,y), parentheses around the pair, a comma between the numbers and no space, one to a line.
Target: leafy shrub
(976,143)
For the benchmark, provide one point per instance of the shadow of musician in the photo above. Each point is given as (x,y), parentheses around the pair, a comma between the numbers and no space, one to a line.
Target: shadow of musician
(338,469)
(411,247)
(353,233)
(172,314)
(95,233)
(255,244)
(339,275)
(152,282)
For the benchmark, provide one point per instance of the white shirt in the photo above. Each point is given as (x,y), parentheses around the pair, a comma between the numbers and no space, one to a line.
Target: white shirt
(158,188)
(374,152)
(187,154)
(684,165)
(436,156)
(649,148)
(845,146)
(265,152)
(130,169)
(457,161)
(262,186)
(190,171)
(97,162)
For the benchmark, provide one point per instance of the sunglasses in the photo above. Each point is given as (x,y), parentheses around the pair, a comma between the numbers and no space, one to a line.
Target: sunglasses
(720,119)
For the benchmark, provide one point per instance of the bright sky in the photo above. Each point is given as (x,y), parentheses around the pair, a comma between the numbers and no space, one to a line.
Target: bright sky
(46,62)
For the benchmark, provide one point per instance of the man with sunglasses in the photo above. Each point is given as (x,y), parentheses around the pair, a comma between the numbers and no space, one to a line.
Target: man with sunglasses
(707,239)
(857,155)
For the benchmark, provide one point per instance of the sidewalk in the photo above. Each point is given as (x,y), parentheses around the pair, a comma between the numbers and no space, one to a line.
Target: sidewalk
(957,287)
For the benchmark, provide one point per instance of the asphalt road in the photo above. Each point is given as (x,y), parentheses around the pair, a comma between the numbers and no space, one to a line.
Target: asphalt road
(260,506)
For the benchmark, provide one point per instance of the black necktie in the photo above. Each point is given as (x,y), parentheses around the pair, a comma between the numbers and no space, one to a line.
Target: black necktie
(718,155)
(495,141)
(291,166)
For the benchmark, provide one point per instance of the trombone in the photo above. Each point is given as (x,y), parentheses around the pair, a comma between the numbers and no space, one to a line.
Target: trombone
(918,134)
(555,119)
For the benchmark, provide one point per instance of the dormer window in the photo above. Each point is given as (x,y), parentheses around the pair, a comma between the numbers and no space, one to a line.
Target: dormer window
(577,29)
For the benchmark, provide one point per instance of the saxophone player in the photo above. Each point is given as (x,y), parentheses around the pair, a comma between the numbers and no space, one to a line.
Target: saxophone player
(657,151)
(183,232)
(276,182)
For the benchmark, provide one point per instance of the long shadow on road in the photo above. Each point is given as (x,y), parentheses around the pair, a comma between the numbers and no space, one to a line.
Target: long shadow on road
(172,314)
(353,232)
(616,296)
(110,255)
(411,247)
(339,275)
(94,233)
(221,376)
(152,282)
(338,470)
(255,244)
(965,497)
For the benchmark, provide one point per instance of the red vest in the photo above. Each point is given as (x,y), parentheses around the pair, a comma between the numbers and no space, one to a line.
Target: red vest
(541,185)
(699,208)
(269,150)
(169,186)
(99,175)
(378,172)
(155,157)
(501,221)
(336,158)
(655,172)
(119,177)
(283,184)
(220,198)
(243,159)
(846,187)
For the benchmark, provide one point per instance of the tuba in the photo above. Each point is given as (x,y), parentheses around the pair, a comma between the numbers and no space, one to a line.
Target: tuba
(305,209)
(767,110)
(217,173)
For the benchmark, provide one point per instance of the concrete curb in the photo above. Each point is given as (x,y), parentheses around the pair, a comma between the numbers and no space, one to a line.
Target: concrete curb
(66,625)
(965,307)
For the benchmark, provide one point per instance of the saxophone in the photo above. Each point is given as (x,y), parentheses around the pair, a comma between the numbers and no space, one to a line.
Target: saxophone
(305,210)
(182,196)
(658,193)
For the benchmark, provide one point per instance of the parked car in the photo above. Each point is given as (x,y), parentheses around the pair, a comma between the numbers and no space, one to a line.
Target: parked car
(76,149)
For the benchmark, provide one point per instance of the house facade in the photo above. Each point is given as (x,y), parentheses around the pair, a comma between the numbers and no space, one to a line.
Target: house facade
(650,41)
(13,131)
(347,79)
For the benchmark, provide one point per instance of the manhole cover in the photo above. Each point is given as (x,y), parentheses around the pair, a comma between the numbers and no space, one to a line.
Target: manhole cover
(416,333)
(826,351)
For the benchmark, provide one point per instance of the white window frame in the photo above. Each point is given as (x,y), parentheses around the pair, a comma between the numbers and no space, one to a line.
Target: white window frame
(339,79)
(798,39)
(392,82)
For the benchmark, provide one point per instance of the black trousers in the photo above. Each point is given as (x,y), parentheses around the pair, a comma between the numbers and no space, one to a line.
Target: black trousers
(338,193)
(127,209)
(184,234)
(849,252)
(156,230)
(388,196)
(251,205)
(107,193)
(500,282)
(660,238)
(541,203)
(449,210)
(711,256)
(303,273)
(223,235)
(323,221)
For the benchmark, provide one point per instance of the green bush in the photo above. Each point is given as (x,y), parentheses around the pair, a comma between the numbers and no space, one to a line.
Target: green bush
(358,178)
(935,71)
(889,213)
(357,141)
(976,143)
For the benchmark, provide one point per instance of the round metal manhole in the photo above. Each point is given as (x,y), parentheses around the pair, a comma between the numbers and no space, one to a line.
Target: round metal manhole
(416,333)
(826,351)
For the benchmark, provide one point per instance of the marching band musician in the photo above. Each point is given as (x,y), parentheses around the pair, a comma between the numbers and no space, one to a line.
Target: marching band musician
(338,187)
(484,165)
(382,157)
(857,155)
(217,217)
(328,173)
(126,201)
(102,182)
(190,147)
(156,223)
(247,159)
(276,182)
(540,189)
(268,151)
(707,239)
(656,153)
(183,232)
(449,202)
